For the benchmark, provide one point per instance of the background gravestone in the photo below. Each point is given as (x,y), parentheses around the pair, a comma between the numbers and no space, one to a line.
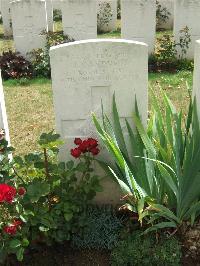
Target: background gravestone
(79,19)
(56,4)
(29,19)
(169,22)
(187,13)
(49,10)
(6,17)
(3,116)
(86,72)
(196,80)
(138,21)
(107,9)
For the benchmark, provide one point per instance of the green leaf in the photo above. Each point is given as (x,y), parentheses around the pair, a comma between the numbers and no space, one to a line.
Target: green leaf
(20,254)
(15,243)
(25,242)
(37,190)
(68,216)
(161,226)
(70,165)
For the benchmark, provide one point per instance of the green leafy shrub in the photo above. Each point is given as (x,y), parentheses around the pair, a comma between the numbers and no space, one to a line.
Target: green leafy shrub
(43,200)
(40,57)
(170,55)
(145,250)
(160,174)
(15,66)
(102,230)
(57,15)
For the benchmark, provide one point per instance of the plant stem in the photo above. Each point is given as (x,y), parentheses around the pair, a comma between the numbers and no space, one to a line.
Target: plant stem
(46,163)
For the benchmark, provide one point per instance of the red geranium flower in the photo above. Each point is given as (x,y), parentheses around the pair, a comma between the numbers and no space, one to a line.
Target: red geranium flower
(21,191)
(7,193)
(84,146)
(12,229)
(92,143)
(76,152)
(17,223)
(95,151)
(77,141)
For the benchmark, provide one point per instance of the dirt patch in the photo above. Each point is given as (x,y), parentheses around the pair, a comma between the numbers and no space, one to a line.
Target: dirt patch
(63,255)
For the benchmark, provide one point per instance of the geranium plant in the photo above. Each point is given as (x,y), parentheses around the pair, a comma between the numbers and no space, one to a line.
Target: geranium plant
(42,199)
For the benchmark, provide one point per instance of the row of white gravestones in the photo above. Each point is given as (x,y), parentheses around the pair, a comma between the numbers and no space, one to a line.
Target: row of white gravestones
(29,20)
(138,21)
(110,24)
(84,73)
(166,8)
(187,14)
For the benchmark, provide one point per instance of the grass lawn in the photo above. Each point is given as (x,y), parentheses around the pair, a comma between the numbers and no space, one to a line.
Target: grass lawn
(30,107)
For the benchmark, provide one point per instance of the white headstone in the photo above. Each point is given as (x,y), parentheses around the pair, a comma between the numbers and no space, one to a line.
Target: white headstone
(85,73)
(3,116)
(56,4)
(196,79)
(138,21)
(29,22)
(6,17)
(107,9)
(79,18)
(49,10)
(168,5)
(187,14)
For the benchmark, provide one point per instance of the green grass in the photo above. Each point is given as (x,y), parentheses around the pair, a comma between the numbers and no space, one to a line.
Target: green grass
(30,107)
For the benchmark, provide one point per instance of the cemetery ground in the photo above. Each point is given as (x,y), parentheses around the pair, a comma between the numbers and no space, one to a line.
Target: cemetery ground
(25,98)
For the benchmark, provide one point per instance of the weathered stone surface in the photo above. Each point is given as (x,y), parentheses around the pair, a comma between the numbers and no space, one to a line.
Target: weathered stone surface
(49,10)
(6,17)
(29,19)
(169,5)
(85,73)
(111,6)
(187,14)
(79,19)
(196,79)
(138,21)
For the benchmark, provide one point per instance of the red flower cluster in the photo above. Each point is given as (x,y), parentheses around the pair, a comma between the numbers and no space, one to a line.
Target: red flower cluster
(7,193)
(88,145)
(12,229)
